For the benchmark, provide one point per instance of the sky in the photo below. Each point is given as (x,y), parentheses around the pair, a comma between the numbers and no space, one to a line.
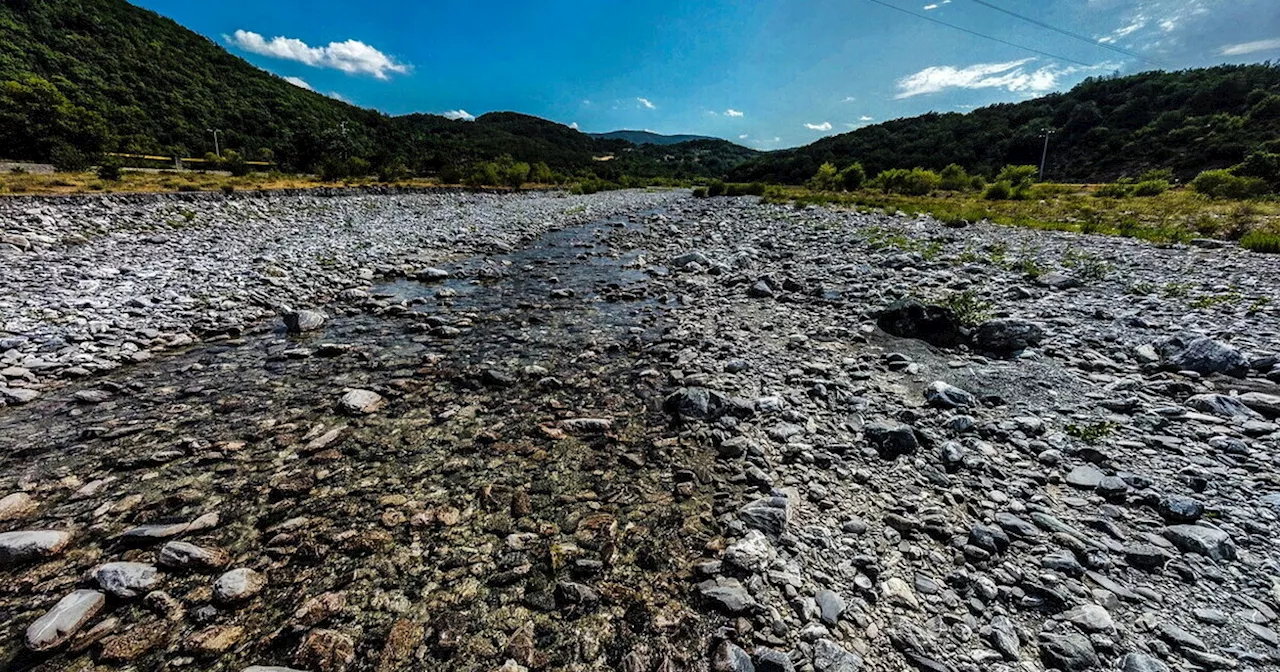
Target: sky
(767,74)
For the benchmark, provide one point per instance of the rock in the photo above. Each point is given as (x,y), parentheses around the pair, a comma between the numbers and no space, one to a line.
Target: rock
(1207,541)
(214,640)
(1069,653)
(19,395)
(1186,352)
(16,506)
(891,439)
(989,538)
(696,403)
(769,515)
(361,402)
(768,660)
(830,606)
(760,290)
(587,425)
(126,579)
(1179,637)
(1267,405)
(1090,618)
(729,657)
(1058,281)
(28,545)
(727,595)
(1223,406)
(936,325)
(1141,662)
(183,555)
(943,395)
(1180,509)
(431,275)
(300,321)
(897,592)
(753,553)
(1085,477)
(65,619)
(1004,638)
(270,668)
(238,585)
(830,657)
(1005,337)
(326,651)
(1146,556)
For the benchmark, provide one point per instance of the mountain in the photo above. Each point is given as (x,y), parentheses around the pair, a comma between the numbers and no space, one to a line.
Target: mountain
(648,137)
(1104,128)
(80,77)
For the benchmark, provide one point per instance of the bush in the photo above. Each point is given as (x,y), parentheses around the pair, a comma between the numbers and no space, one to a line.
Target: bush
(976,183)
(1165,174)
(716,188)
(998,191)
(540,173)
(753,189)
(235,163)
(1267,242)
(954,178)
(109,169)
(914,182)
(699,192)
(1114,190)
(826,179)
(68,159)
(1018,177)
(1264,166)
(1225,184)
(1150,188)
(393,172)
(516,174)
(853,177)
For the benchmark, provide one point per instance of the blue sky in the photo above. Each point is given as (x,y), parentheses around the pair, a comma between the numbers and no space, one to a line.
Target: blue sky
(766,74)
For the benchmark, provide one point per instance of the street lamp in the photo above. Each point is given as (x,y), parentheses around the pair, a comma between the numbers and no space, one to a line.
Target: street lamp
(1044,133)
(216,148)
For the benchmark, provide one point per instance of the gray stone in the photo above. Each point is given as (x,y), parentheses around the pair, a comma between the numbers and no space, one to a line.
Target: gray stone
(238,585)
(64,620)
(696,403)
(1180,509)
(944,395)
(126,579)
(936,325)
(1091,618)
(1187,352)
(769,660)
(1004,638)
(1085,477)
(1069,653)
(729,657)
(183,555)
(361,402)
(830,605)
(28,545)
(1223,406)
(1141,662)
(831,657)
(891,439)
(768,514)
(299,321)
(16,506)
(1206,541)
(431,275)
(1267,405)
(1006,336)
(752,553)
(728,595)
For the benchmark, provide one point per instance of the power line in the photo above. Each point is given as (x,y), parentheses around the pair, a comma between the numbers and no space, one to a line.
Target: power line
(988,37)
(1068,33)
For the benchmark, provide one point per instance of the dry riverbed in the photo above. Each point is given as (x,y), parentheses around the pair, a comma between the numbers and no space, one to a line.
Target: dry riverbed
(631,431)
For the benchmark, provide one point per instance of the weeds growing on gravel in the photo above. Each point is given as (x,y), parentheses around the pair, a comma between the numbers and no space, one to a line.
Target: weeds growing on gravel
(1267,242)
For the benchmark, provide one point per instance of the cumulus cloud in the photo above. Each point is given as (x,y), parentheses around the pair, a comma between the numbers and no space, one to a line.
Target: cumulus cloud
(742,137)
(459,114)
(866,118)
(574,125)
(352,56)
(644,102)
(824,126)
(1250,47)
(732,113)
(1011,76)
(299,82)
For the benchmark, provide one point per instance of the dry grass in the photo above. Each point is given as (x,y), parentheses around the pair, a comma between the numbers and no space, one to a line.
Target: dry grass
(1174,216)
(173,181)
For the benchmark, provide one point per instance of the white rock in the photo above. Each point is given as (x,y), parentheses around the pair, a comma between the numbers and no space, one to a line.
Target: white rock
(28,545)
(64,620)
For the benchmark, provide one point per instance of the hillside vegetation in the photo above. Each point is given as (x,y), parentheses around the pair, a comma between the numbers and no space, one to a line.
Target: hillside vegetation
(80,77)
(1105,128)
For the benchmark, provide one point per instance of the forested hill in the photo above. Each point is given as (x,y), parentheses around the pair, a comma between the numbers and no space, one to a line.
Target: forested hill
(80,77)
(1103,129)
(648,137)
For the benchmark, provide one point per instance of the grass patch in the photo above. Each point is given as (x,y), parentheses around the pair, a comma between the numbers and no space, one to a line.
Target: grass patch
(1266,242)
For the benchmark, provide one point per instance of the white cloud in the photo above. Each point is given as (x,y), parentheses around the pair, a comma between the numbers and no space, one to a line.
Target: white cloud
(1011,76)
(338,96)
(644,102)
(824,126)
(352,56)
(1250,47)
(930,7)
(574,126)
(732,113)
(866,118)
(299,82)
(742,137)
(459,114)
(849,99)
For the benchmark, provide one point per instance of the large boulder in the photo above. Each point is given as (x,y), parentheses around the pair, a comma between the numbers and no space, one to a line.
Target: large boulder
(936,325)
(1006,336)
(696,403)
(1188,352)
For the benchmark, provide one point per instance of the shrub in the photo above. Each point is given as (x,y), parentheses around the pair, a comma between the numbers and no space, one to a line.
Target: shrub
(1150,188)
(826,179)
(716,188)
(1165,174)
(235,163)
(68,159)
(1261,241)
(998,191)
(969,309)
(976,183)
(1225,184)
(540,173)
(752,189)
(699,192)
(515,174)
(853,177)
(914,182)
(1113,190)
(109,169)
(1264,166)
(393,172)
(954,178)
(1018,177)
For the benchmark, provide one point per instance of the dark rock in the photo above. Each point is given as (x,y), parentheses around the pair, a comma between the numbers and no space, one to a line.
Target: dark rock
(1180,509)
(936,325)
(768,660)
(1187,352)
(1006,336)
(891,439)
(1206,541)
(1069,653)
(729,657)
(696,403)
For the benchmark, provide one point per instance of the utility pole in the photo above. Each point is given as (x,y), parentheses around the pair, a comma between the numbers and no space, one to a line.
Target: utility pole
(1044,156)
(217,149)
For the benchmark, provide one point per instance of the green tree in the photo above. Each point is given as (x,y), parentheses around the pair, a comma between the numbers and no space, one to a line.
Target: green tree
(853,177)
(826,179)
(955,178)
